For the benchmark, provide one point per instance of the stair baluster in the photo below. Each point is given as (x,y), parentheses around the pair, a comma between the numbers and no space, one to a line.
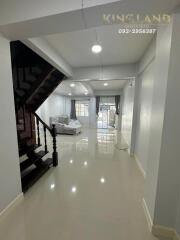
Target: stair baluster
(45,140)
(38,132)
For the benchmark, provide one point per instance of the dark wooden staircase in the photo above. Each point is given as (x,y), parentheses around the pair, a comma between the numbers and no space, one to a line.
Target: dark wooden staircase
(34,80)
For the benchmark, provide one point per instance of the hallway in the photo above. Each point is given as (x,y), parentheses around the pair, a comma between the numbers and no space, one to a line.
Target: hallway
(95,193)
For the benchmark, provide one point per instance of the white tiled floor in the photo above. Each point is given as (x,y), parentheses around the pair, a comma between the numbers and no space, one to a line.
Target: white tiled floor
(94,194)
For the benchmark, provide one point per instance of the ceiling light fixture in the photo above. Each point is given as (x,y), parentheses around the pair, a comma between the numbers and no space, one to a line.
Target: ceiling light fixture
(102,180)
(70,94)
(72,85)
(105,84)
(74,189)
(96,48)
(52,186)
(85,163)
(86,93)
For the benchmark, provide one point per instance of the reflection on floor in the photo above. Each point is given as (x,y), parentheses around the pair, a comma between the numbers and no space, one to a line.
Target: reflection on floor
(94,193)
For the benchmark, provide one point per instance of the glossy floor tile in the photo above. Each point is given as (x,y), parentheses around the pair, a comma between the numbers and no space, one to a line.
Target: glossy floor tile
(95,193)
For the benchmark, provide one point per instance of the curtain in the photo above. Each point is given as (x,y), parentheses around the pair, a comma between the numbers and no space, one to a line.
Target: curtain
(117,103)
(97,104)
(73,109)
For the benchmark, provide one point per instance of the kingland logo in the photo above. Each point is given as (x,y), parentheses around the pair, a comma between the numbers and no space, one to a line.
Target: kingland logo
(136,19)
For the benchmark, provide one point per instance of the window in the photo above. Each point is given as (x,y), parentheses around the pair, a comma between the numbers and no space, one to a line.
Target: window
(82,109)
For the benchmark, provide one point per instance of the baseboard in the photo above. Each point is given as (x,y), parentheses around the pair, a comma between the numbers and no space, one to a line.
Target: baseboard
(158,230)
(176,236)
(165,232)
(140,166)
(147,214)
(16,201)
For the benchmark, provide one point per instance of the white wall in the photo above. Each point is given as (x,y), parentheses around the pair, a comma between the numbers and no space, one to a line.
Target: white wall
(168,188)
(127,111)
(157,124)
(177,223)
(146,81)
(53,106)
(163,46)
(144,92)
(10,183)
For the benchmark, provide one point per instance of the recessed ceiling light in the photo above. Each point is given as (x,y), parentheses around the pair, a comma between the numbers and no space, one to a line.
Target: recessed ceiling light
(70,94)
(71,161)
(96,48)
(105,84)
(72,85)
(52,186)
(102,180)
(85,163)
(86,93)
(73,189)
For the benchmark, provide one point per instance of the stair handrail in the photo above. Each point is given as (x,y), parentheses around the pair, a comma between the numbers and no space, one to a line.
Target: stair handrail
(53,134)
(43,123)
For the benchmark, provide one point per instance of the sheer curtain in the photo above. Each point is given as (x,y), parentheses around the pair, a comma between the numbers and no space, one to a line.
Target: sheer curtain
(73,109)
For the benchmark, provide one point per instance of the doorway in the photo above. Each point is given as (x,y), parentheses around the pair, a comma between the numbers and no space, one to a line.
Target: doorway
(106,117)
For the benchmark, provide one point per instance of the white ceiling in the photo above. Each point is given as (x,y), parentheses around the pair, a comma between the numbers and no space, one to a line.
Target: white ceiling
(91,86)
(113,85)
(27,19)
(75,47)
(80,88)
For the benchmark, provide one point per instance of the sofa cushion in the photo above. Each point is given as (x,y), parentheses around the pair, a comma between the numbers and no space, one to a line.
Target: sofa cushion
(63,119)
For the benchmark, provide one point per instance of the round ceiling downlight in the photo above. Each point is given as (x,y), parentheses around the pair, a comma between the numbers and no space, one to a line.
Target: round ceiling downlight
(96,48)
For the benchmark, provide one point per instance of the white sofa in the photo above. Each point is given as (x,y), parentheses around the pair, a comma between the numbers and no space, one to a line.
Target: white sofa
(64,125)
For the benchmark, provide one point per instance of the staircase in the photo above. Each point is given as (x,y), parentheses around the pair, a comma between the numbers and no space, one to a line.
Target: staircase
(34,80)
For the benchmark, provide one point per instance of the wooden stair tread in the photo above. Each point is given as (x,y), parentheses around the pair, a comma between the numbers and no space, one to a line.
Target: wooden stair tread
(28,162)
(30,178)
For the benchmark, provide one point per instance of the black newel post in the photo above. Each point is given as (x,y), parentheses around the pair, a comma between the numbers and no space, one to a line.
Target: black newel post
(38,133)
(55,154)
(45,141)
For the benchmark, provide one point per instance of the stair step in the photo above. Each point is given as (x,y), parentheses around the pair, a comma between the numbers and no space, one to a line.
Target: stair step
(25,149)
(34,174)
(28,162)
(37,156)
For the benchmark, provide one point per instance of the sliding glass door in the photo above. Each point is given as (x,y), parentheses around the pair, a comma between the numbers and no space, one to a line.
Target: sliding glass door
(106,118)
